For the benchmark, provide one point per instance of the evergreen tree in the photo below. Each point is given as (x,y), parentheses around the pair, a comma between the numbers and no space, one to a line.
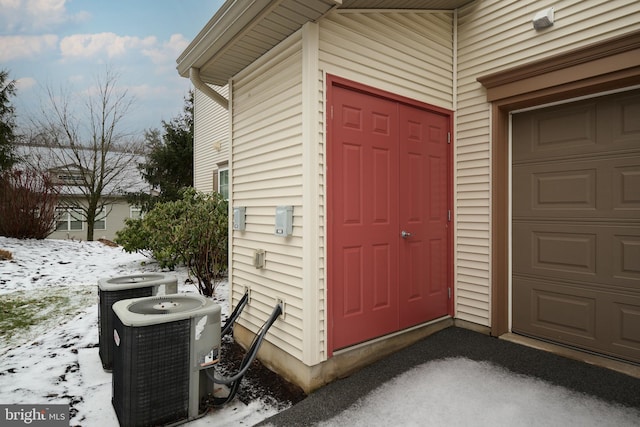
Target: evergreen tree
(7,124)
(169,162)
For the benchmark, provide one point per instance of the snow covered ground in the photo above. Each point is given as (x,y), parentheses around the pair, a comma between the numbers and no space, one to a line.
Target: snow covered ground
(56,360)
(459,392)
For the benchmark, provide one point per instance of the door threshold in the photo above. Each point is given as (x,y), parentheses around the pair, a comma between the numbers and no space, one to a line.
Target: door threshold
(431,326)
(571,353)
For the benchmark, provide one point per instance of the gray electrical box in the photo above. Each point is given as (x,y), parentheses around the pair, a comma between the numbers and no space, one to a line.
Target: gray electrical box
(239,214)
(284,221)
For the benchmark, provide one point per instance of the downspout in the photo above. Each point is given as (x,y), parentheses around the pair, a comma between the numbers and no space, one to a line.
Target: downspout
(194,76)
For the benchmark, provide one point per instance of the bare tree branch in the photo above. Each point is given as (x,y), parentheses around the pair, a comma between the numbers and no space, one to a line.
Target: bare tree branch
(87,142)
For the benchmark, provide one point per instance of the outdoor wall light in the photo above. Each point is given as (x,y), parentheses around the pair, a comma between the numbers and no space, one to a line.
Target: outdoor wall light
(543,19)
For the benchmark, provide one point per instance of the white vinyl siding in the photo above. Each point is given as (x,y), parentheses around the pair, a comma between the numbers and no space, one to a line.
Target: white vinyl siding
(211,139)
(408,53)
(265,172)
(493,36)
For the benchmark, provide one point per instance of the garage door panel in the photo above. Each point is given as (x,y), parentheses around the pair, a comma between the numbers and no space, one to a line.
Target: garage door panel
(553,309)
(618,122)
(626,187)
(556,131)
(593,126)
(605,255)
(626,263)
(604,322)
(554,188)
(627,334)
(576,224)
(597,187)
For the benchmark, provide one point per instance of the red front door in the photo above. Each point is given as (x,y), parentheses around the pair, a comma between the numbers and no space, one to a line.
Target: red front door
(424,203)
(388,173)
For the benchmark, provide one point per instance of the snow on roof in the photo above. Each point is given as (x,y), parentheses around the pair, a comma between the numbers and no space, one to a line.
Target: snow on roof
(122,174)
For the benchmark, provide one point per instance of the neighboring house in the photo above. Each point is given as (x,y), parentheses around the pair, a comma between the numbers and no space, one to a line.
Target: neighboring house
(71,223)
(446,163)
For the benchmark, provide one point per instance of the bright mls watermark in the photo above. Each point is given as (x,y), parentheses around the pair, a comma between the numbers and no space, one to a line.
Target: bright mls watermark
(34,415)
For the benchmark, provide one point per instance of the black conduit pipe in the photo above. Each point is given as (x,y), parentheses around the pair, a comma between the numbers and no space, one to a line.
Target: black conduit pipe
(234,316)
(249,357)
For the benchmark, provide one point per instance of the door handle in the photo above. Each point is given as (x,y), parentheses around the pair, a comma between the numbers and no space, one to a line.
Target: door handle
(405,234)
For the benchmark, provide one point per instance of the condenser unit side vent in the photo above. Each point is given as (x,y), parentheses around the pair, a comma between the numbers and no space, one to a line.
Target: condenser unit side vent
(151,382)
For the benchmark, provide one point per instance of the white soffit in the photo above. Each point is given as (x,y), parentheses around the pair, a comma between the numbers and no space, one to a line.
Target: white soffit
(243,30)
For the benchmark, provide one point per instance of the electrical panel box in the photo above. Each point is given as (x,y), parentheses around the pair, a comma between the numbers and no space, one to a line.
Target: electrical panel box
(239,214)
(284,221)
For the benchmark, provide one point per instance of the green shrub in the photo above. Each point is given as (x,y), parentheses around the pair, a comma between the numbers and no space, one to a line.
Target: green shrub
(193,231)
(134,237)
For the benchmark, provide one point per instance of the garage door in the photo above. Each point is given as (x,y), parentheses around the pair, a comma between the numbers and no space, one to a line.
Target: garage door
(576,224)
(389,244)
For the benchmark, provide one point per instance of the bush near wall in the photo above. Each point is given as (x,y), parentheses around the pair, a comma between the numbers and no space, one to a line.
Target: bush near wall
(193,231)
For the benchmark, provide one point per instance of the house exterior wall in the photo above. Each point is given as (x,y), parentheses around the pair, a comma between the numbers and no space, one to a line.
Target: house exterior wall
(118,211)
(404,53)
(211,139)
(277,157)
(494,36)
(407,53)
(278,133)
(265,172)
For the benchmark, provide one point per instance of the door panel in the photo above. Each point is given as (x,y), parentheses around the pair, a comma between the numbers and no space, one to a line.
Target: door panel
(576,224)
(423,213)
(364,249)
(387,172)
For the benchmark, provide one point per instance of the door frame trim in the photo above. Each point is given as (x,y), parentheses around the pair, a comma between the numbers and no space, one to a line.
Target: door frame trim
(336,81)
(599,67)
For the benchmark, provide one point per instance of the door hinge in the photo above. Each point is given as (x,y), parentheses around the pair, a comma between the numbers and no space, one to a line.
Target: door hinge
(332,112)
(449,215)
(449,292)
(448,137)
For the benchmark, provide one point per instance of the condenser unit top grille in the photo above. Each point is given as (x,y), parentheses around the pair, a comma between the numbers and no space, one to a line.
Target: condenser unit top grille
(163,309)
(134,281)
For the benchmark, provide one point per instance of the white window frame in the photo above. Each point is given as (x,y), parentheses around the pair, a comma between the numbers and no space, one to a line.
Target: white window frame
(135,212)
(223,191)
(69,215)
(101,217)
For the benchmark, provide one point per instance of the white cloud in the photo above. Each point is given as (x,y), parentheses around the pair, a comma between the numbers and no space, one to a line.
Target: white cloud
(169,50)
(35,15)
(25,83)
(9,4)
(19,47)
(101,44)
(54,9)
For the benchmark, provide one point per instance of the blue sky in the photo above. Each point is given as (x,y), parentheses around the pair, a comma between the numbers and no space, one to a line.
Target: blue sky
(66,44)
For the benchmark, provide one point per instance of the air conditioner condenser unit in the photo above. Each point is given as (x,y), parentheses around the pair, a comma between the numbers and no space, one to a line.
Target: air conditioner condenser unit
(113,289)
(162,346)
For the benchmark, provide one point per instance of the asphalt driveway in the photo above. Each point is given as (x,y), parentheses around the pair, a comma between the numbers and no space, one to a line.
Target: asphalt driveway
(336,397)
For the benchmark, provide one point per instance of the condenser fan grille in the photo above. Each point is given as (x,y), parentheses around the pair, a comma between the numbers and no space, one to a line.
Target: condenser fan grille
(165,305)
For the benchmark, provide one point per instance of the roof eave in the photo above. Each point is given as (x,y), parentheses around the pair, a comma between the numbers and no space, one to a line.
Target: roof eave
(227,23)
